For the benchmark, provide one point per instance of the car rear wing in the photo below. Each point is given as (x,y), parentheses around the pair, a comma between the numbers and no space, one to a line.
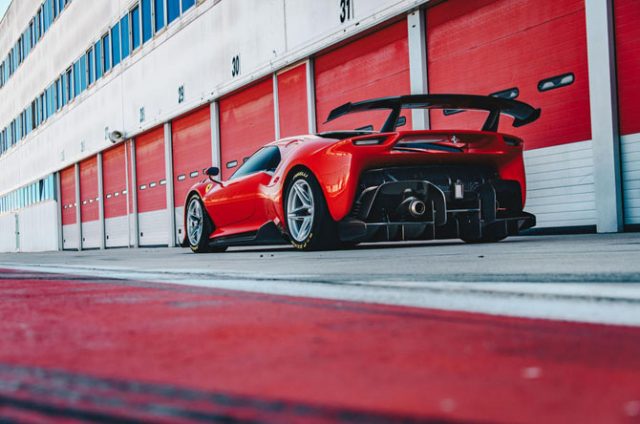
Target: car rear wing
(521,112)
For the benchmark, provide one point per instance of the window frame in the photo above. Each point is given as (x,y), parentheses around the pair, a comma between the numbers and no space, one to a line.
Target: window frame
(238,171)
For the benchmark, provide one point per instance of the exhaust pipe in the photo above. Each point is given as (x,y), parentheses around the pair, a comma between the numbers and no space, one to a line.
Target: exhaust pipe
(412,206)
(417,208)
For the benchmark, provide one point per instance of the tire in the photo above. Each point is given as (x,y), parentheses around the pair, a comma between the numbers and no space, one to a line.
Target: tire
(309,223)
(198,227)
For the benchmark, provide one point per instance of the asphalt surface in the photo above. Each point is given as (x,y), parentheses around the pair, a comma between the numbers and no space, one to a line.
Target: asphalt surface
(587,278)
(534,329)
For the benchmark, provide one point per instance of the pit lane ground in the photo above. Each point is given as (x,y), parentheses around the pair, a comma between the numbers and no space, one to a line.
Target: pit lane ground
(538,328)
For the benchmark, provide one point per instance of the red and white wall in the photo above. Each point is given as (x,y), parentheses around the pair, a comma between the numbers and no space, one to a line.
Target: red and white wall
(68,209)
(627,32)
(286,84)
(116,197)
(191,154)
(513,46)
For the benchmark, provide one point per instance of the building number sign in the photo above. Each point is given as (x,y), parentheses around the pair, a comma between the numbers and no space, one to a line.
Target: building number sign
(235,66)
(346,10)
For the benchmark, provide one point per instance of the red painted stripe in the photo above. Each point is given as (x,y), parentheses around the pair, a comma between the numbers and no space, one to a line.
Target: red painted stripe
(292,101)
(150,169)
(374,66)
(405,362)
(627,16)
(247,122)
(115,181)
(191,151)
(89,208)
(68,195)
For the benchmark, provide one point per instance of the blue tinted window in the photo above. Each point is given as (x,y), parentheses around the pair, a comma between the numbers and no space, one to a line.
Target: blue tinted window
(147,30)
(63,92)
(98,55)
(47,14)
(124,36)
(76,78)
(135,28)
(106,53)
(186,4)
(173,10)
(159,14)
(90,67)
(115,44)
(83,73)
(69,82)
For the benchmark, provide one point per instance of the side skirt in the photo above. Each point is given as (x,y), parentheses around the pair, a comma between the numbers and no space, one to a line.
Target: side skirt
(267,234)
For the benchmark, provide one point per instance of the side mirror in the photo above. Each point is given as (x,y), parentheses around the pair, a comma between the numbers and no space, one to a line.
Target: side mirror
(401,122)
(214,171)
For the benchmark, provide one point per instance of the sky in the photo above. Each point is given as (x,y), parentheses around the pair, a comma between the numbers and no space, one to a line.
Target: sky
(3,7)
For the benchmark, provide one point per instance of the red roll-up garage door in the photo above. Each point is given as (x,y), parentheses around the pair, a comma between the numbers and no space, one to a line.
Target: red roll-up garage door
(116,206)
(292,101)
(191,137)
(153,218)
(627,16)
(247,123)
(374,66)
(492,46)
(89,201)
(68,204)
(535,51)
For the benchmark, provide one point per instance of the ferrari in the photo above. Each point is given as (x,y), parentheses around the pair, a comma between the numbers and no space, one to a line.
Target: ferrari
(341,188)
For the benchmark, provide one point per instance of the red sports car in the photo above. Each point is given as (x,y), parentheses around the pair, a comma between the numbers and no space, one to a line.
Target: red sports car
(340,188)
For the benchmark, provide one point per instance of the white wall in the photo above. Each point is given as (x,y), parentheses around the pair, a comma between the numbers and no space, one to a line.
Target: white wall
(39,227)
(8,242)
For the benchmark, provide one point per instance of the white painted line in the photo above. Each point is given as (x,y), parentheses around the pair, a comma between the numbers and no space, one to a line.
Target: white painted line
(615,304)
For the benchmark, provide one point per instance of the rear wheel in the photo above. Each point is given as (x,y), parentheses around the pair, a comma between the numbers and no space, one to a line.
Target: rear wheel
(199,227)
(308,220)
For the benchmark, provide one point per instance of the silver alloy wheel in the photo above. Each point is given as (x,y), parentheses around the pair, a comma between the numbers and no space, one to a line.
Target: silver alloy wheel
(300,210)
(195,221)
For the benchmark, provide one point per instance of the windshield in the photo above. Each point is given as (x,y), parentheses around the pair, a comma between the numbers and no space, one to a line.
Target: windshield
(266,159)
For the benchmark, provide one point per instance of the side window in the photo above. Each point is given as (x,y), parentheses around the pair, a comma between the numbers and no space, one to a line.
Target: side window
(265,159)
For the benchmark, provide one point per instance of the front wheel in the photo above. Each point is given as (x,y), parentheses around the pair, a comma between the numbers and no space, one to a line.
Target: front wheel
(199,227)
(308,220)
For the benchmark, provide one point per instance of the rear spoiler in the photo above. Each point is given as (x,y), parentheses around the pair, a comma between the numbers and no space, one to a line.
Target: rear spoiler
(522,113)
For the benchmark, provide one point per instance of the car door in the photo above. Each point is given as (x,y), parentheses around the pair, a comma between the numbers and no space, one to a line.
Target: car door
(238,205)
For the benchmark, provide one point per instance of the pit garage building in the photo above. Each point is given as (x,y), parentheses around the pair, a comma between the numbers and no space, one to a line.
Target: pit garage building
(111,109)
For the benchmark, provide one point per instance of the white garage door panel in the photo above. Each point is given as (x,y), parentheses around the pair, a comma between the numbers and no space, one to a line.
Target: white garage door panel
(132,229)
(70,236)
(560,185)
(561,191)
(91,235)
(39,227)
(179,224)
(630,146)
(153,227)
(8,233)
(116,230)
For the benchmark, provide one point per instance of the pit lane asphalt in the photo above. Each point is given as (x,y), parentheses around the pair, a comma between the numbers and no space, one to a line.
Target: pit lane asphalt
(586,278)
